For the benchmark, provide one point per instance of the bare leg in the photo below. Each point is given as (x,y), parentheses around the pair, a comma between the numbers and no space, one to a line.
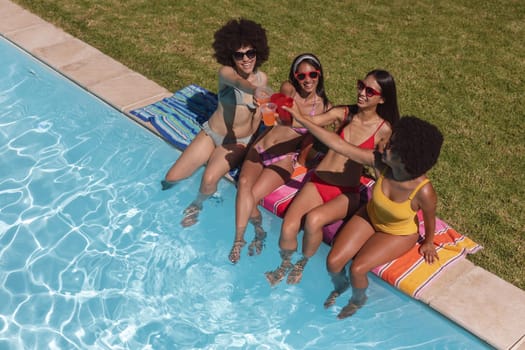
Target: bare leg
(222,159)
(257,244)
(305,200)
(357,300)
(191,213)
(244,201)
(196,154)
(235,253)
(166,185)
(338,208)
(341,284)
(276,276)
(296,274)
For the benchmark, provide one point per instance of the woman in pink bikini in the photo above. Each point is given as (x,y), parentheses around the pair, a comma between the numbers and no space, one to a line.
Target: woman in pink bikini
(269,163)
(332,193)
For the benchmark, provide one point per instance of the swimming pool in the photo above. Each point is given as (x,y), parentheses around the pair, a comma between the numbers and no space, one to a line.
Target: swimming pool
(92,255)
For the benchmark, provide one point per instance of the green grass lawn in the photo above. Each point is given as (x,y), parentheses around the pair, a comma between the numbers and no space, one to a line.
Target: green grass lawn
(457,63)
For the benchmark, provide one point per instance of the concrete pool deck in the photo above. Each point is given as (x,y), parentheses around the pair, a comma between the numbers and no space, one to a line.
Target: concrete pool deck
(477,300)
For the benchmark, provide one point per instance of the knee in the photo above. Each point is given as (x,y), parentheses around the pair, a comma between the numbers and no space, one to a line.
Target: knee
(359,268)
(243,183)
(313,222)
(289,228)
(209,184)
(289,231)
(334,264)
(172,176)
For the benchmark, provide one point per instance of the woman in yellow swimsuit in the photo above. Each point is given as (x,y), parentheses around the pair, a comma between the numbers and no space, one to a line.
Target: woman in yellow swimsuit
(241,48)
(387,227)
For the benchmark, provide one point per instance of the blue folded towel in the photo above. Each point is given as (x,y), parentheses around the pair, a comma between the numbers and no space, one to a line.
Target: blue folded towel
(178,118)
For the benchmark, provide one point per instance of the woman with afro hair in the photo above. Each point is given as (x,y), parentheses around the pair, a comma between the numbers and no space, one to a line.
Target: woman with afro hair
(387,227)
(241,48)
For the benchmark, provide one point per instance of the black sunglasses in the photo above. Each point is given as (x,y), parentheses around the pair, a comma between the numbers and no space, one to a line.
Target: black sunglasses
(239,55)
(302,76)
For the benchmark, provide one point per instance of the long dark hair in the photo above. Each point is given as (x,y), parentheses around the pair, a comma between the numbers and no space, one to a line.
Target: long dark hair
(312,60)
(388,110)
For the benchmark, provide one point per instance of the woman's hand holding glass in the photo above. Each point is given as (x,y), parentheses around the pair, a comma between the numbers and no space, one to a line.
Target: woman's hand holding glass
(262,95)
(269,113)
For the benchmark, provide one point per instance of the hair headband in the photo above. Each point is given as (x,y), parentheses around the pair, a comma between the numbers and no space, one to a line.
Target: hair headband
(302,58)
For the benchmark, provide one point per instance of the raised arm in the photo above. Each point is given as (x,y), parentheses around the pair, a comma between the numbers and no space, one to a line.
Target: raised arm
(228,76)
(331,139)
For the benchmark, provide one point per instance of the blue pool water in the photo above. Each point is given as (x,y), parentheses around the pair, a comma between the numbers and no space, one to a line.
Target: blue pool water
(92,255)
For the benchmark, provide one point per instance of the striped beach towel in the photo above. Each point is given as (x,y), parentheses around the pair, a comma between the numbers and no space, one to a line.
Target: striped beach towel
(178,118)
(278,201)
(411,274)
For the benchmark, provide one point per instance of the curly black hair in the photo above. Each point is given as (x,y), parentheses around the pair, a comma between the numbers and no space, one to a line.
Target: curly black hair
(417,142)
(236,34)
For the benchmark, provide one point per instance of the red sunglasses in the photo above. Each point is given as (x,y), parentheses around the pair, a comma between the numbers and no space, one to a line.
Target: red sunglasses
(239,55)
(368,90)
(312,74)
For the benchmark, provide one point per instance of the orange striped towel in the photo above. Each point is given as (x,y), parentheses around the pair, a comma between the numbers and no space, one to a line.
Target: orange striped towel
(411,274)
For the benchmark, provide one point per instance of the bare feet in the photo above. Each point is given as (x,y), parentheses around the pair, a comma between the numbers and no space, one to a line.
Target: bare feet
(296,274)
(335,294)
(166,185)
(235,253)
(276,276)
(331,299)
(191,215)
(351,308)
(257,244)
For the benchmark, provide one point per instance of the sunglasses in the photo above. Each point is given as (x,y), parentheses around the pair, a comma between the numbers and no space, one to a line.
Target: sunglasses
(368,90)
(312,74)
(239,55)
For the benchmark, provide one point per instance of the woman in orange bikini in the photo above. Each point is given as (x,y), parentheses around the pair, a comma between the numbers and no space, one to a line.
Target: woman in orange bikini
(269,163)
(332,193)
(387,227)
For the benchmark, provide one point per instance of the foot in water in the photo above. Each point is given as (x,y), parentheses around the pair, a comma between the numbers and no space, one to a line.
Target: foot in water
(351,308)
(296,274)
(331,299)
(334,295)
(235,253)
(257,244)
(166,185)
(191,215)
(276,276)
